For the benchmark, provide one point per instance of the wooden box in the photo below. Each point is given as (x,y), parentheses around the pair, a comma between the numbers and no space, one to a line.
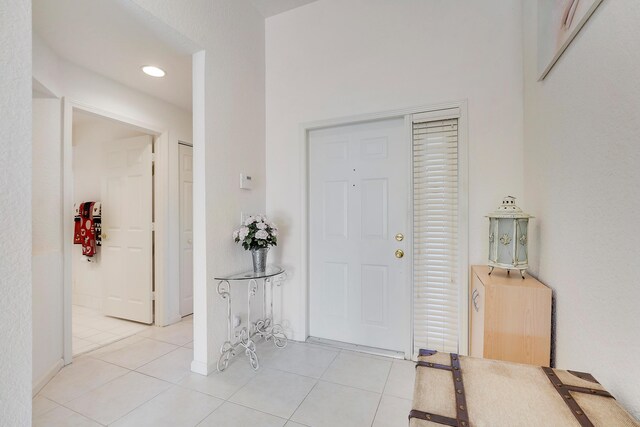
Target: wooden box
(471,392)
(510,317)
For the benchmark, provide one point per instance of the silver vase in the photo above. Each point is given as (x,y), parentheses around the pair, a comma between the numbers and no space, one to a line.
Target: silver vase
(259,259)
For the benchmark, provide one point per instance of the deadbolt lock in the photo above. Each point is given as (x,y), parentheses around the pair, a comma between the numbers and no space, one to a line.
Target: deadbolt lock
(399,253)
(399,237)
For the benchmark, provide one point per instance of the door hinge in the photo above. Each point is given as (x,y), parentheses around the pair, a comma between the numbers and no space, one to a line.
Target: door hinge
(153,226)
(153,157)
(153,296)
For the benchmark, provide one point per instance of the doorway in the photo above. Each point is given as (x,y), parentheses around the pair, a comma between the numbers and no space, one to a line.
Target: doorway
(385,220)
(186,227)
(112,260)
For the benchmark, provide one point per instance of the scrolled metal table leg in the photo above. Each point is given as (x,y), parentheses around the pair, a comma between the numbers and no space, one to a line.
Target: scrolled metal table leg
(227,348)
(249,345)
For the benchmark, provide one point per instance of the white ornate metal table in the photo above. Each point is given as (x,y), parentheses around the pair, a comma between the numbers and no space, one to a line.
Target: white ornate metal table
(263,327)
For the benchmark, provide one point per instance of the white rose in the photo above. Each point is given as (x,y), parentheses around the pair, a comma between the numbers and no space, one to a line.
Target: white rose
(273,225)
(274,232)
(250,220)
(242,234)
(261,225)
(261,234)
(236,233)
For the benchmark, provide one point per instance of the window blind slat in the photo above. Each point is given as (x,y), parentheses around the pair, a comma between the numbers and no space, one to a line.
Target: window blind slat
(435,240)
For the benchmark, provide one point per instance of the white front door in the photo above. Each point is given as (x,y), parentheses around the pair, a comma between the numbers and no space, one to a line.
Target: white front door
(127,243)
(186,229)
(359,186)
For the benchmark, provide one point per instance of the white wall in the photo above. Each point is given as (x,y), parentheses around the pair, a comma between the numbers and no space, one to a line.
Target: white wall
(15,213)
(89,140)
(82,86)
(583,185)
(228,140)
(337,58)
(47,241)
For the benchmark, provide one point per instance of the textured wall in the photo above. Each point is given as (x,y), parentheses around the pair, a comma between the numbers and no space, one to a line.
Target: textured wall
(337,58)
(582,182)
(228,140)
(47,239)
(15,213)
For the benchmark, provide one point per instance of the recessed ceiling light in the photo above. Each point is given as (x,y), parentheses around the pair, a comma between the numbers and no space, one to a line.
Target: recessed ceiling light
(153,71)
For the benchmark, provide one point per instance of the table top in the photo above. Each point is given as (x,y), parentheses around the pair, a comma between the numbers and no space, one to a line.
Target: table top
(271,270)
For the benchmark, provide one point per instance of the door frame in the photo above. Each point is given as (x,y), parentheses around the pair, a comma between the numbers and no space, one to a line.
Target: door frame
(190,145)
(463,200)
(160,197)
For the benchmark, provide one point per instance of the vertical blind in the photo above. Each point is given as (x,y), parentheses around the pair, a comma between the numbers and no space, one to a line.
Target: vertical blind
(435,239)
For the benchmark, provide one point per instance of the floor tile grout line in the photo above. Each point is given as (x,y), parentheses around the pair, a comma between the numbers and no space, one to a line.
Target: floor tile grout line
(83,415)
(57,405)
(381,395)
(251,408)
(154,360)
(329,364)
(143,403)
(94,388)
(302,401)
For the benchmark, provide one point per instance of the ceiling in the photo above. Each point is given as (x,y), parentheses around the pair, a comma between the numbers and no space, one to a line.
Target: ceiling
(269,8)
(115,38)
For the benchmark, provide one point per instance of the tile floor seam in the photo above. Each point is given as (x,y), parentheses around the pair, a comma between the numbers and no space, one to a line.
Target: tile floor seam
(381,395)
(301,402)
(151,361)
(148,400)
(91,389)
(351,386)
(329,364)
(82,415)
(239,388)
(253,409)
(207,416)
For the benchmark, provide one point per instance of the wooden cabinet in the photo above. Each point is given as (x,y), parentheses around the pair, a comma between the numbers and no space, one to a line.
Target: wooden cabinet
(510,317)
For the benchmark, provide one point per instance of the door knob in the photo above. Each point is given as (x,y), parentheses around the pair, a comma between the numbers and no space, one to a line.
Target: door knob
(399,237)
(189,241)
(399,253)
(104,236)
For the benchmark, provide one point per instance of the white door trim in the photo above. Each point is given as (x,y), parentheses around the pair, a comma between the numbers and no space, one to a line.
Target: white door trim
(161,150)
(405,113)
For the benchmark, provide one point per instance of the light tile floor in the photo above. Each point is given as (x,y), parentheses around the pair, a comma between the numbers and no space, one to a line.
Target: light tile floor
(145,380)
(91,329)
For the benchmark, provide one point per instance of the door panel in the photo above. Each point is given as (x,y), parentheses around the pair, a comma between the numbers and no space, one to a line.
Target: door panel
(186,229)
(358,196)
(127,243)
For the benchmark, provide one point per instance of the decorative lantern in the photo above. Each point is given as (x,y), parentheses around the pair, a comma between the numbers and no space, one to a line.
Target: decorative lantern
(508,237)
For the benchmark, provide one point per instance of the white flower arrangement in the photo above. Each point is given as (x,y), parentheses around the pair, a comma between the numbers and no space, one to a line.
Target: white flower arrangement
(256,233)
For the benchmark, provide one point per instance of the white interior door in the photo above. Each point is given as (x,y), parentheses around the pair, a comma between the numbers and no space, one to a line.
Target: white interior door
(186,230)
(127,215)
(359,198)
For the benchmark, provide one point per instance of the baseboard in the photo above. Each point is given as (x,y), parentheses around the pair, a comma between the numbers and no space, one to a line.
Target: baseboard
(203,368)
(37,385)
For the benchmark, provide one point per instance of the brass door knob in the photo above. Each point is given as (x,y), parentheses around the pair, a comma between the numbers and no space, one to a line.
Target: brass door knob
(399,253)
(399,237)
(104,236)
